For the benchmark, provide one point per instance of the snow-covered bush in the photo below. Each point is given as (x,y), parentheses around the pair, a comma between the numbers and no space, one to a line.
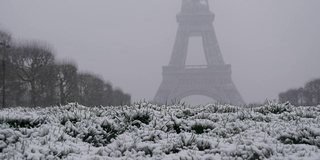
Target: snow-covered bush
(147,131)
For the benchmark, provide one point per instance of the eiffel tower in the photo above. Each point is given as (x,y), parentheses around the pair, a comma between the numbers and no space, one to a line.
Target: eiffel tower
(212,80)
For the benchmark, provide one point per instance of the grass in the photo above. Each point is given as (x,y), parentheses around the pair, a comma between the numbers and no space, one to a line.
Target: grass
(144,130)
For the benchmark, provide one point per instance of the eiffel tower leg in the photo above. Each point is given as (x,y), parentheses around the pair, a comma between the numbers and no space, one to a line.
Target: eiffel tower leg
(232,95)
(211,48)
(180,48)
(162,95)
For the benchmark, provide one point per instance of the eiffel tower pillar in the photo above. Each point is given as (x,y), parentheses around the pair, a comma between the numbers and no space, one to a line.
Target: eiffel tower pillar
(213,79)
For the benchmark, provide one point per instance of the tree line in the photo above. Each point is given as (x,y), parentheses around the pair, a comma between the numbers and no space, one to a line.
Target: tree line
(309,95)
(32,77)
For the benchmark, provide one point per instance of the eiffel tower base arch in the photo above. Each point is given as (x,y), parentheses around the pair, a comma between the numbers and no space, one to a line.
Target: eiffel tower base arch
(211,81)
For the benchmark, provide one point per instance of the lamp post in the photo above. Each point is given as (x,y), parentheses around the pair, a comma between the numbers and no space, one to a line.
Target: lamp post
(4,46)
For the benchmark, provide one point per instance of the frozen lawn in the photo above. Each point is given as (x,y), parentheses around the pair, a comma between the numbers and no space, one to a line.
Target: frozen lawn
(147,131)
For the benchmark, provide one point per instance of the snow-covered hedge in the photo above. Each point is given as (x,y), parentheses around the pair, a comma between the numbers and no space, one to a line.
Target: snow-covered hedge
(147,131)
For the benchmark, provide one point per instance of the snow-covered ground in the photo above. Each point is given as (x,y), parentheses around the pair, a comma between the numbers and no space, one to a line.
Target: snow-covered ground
(147,131)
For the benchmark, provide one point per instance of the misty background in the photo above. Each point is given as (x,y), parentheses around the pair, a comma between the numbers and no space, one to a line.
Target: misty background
(272,45)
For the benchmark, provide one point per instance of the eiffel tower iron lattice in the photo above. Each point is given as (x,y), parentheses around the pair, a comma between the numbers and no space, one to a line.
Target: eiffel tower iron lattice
(212,80)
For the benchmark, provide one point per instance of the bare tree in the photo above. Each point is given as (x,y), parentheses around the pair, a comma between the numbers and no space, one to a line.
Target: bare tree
(5,38)
(291,95)
(94,91)
(120,98)
(91,89)
(34,79)
(67,82)
(31,61)
(108,94)
(313,87)
(47,86)
(309,95)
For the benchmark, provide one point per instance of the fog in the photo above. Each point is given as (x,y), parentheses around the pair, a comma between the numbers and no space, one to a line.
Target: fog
(272,45)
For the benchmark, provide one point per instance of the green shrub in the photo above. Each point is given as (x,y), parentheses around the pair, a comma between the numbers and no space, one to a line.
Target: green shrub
(203,145)
(22,122)
(305,135)
(201,128)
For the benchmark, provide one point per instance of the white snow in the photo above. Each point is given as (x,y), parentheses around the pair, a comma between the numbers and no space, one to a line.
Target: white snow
(147,131)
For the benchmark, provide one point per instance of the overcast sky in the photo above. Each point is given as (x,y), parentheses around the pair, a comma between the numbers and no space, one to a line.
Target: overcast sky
(272,45)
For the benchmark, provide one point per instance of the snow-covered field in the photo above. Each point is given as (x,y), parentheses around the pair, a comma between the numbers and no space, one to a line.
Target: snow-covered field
(147,131)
